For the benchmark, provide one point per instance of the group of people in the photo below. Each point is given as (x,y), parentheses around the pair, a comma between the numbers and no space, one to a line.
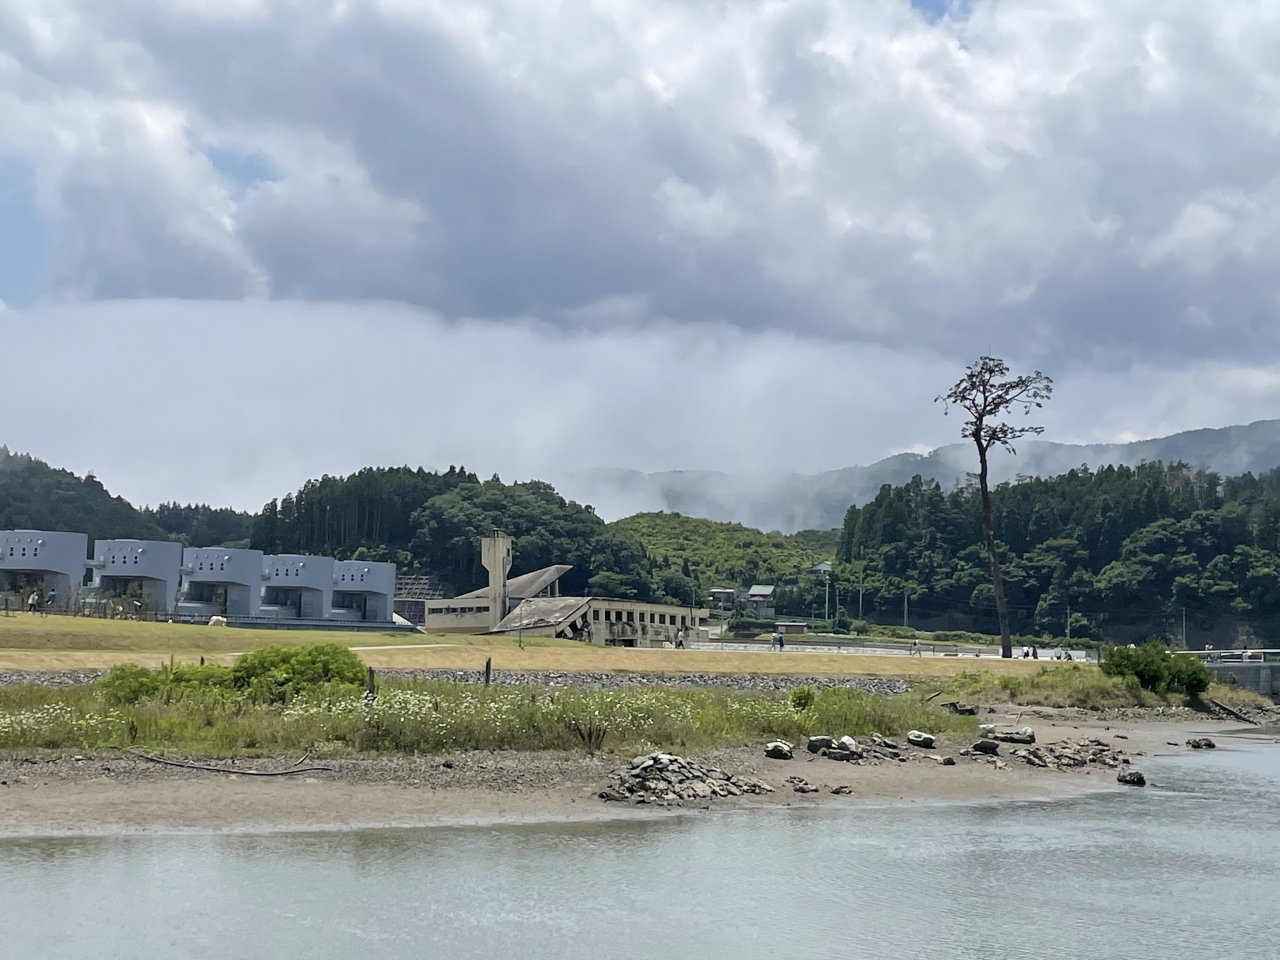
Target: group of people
(33,602)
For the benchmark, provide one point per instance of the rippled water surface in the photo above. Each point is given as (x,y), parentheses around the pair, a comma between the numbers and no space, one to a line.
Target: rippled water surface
(1187,867)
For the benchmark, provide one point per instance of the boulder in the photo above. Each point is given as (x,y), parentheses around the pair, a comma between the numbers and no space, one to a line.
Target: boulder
(1131,778)
(948,761)
(820,743)
(918,738)
(1201,743)
(778,750)
(843,790)
(848,743)
(1025,735)
(989,747)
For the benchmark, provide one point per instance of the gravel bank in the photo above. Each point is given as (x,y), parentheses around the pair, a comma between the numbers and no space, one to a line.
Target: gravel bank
(615,681)
(50,678)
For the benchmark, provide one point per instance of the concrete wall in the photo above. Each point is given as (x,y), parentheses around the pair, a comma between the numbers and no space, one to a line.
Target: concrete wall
(154,564)
(57,558)
(458,616)
(221,582)
(623,623)
(1263,678)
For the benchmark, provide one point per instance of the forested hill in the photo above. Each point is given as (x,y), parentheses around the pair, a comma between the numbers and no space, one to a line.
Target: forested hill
(36,496)
(1119,546)
(715,554)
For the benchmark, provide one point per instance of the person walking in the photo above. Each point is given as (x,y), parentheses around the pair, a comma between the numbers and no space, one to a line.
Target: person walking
(32,601)
(51,601)
(680,639)
(916,651)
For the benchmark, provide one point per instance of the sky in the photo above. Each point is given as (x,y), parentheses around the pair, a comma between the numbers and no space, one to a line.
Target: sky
(244,243)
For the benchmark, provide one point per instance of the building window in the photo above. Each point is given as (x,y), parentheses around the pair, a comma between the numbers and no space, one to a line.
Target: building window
(684,621)
(662,618)
(630,617)
(595,614)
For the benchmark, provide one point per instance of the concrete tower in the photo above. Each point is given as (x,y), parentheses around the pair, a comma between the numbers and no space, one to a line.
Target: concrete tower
(495,555)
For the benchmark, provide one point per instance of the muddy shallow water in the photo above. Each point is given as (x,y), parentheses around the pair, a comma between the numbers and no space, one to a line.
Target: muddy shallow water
(1185,867)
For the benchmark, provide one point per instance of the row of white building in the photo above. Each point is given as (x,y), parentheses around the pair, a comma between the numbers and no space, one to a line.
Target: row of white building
(199,582)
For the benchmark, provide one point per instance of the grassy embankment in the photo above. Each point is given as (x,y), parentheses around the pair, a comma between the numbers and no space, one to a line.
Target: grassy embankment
(54,643)
(436,716)
(1071,685)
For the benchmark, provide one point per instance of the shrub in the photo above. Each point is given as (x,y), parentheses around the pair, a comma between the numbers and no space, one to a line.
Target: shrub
(129,683)
(278,674)
(1157,669)
(802,697)
(744,624)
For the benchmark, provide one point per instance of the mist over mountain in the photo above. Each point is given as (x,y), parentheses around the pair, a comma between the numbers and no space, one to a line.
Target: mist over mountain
(818,501)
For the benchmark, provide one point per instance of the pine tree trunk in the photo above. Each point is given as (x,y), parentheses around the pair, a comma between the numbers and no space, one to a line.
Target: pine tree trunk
(989,537)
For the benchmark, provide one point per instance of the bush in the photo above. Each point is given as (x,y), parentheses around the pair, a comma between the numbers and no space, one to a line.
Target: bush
(129,683)
(278,674)
(1157,669)
(802,697)
(743,624)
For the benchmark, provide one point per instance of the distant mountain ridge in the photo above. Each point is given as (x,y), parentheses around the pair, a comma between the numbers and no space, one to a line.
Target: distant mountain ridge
(819,501)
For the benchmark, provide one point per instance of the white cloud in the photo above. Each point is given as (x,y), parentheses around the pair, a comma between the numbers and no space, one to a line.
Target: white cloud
(802,213)
(237,402)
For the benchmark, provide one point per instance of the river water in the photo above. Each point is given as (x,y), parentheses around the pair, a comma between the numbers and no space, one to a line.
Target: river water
(1190,866)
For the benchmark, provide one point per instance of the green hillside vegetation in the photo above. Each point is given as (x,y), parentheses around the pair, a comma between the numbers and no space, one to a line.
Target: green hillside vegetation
(200,525)
(36,496)
(710,553)
(1124,549)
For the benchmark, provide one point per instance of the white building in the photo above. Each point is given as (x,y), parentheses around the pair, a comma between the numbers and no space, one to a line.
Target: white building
(362,590)
(58,559)
(297,587)
(221,582)
(153,566)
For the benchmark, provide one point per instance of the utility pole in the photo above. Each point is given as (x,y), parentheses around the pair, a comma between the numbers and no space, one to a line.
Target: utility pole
(1068,623)
(826,603)
(1184,628)
(861,570)
(904,605)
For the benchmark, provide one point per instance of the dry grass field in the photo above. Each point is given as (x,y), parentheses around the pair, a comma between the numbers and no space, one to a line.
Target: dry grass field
(53,643)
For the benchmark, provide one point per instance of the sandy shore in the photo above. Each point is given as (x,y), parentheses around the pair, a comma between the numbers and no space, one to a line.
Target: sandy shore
(107,793)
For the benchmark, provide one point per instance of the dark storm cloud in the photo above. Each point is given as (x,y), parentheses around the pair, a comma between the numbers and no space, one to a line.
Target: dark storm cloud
(1092,181)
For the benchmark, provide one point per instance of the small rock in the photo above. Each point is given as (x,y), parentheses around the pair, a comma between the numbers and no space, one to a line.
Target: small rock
(1201,743)
(1131,778)
(948,761)
(778,750)
(843,790)
(918,738)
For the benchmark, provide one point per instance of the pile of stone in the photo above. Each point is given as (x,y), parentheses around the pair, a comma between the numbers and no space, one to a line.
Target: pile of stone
(1065,755)
(801,785)
(667,780)
(1201,743)
(873,750)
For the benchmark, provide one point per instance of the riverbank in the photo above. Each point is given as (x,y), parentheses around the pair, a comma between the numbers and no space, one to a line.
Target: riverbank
(112,791)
